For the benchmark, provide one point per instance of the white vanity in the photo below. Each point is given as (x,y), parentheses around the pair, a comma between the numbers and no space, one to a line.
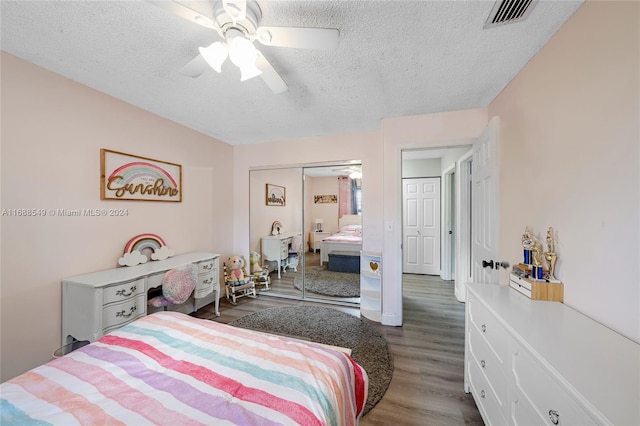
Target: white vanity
(96,303)
(537,362)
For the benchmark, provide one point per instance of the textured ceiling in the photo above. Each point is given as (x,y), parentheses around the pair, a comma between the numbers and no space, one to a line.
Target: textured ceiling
(396,58)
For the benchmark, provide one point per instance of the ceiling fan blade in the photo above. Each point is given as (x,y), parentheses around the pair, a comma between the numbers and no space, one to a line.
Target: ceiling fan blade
(299,37)
(236,9)
(270,76)
(195,67)
(186,12)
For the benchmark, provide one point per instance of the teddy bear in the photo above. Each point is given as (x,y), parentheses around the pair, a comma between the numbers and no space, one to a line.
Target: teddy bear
(254,263)
(236,270)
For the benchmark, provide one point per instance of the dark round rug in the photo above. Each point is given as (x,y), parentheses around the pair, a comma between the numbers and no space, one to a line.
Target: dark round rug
(320,280)
(329,326)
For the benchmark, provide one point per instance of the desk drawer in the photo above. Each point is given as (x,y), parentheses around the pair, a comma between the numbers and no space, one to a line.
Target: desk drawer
(123,291)
(207,267)
(119,314)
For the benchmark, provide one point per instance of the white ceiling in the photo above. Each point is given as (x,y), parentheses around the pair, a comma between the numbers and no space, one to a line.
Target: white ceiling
(395,58)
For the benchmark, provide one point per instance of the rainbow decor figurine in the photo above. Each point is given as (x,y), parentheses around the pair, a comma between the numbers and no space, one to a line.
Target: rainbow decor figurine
(143,247)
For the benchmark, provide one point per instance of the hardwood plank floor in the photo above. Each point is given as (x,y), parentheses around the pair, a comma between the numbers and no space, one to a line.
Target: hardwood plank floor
(428,350)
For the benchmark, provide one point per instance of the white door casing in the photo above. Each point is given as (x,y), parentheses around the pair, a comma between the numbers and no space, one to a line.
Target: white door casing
(448,223)
(421,226)
(485,203)
(463,184)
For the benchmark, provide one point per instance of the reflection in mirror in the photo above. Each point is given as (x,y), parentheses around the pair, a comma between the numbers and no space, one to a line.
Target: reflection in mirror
(319,202)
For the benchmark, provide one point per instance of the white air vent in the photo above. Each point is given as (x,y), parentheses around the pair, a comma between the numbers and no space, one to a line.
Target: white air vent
(508,12)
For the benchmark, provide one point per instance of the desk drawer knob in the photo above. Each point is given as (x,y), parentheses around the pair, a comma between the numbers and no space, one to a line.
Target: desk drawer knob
(554,416)
(482,363)
(484,328)
(482,394)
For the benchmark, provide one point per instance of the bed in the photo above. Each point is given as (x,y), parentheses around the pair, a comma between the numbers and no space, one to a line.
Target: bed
(170,368)
(347,239)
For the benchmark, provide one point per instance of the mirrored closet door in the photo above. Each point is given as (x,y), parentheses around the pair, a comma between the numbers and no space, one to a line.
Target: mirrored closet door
(305,228)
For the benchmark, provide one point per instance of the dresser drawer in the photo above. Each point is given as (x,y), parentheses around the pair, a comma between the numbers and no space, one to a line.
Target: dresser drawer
(535,391)
(492,367)
(489,327)
(123,291)
(488,404)
(118,314)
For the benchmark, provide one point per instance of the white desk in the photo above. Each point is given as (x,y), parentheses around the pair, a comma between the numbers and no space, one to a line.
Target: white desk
(96,303)
(275,248)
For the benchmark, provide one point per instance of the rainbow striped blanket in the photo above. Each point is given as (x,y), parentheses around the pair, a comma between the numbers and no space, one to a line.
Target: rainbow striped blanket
(169,368)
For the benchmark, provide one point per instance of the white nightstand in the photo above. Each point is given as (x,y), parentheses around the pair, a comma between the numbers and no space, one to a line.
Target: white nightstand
(315,238)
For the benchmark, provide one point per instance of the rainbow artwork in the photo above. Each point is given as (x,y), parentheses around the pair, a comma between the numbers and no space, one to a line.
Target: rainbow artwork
(128,177)
(136,247)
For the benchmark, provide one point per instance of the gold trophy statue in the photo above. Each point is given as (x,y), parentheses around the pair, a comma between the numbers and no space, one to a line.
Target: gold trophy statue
(550,254)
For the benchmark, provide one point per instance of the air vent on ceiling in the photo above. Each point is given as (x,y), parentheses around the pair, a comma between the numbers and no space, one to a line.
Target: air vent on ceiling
(509,11)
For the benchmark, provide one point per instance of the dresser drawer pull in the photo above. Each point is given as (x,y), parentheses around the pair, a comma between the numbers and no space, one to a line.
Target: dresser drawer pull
(208,267)
(207,281)
(124,313)
(482,394)
(554,416)
(482,363)
(484,328)
(124,293)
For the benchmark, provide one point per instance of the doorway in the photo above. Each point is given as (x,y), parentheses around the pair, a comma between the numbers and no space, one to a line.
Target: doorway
(441,164)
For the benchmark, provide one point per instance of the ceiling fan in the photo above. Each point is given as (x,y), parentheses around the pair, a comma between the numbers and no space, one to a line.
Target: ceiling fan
(237,23)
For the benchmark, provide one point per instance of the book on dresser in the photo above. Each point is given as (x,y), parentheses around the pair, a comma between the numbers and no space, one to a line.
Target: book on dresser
(95,303)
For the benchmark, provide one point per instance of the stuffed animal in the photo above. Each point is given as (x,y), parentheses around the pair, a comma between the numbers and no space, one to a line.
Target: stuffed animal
(236,270)
(254,263)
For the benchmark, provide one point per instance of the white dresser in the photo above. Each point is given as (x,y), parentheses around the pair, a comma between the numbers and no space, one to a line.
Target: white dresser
(275,248)
(531,362)
(96,303)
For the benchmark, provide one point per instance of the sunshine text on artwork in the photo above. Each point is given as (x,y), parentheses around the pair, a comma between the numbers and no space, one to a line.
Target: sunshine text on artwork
(158,188)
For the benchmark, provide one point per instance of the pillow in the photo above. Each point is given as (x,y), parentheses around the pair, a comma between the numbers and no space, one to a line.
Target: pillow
(177,286)
(351,228)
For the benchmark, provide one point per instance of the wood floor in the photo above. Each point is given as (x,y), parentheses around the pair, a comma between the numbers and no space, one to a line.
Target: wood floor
(428,350)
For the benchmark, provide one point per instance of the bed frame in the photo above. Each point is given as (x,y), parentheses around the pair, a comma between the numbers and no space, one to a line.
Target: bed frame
(327,247)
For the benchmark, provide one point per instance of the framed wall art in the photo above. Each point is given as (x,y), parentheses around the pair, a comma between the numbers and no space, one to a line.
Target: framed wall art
(322,199)
(131,177)
(276,195)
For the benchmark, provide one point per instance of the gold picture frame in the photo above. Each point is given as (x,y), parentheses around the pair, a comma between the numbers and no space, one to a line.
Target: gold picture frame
(276,195)
(135,178)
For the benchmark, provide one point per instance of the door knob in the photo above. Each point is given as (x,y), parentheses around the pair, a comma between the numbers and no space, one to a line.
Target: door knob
(489,264)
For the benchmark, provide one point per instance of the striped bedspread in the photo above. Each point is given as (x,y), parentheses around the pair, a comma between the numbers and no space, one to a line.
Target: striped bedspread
(169,368)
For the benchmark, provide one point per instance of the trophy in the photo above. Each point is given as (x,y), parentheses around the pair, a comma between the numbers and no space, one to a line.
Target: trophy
(527,244)
(550,254)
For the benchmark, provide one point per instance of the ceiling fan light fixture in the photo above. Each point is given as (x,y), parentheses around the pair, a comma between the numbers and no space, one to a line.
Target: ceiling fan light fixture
(248,72)
(215,55)
(244,55)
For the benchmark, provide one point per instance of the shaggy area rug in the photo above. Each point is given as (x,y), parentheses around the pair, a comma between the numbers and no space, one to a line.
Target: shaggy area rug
(368,346)
(320,280)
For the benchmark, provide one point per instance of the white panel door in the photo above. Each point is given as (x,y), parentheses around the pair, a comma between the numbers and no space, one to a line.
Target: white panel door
(421,226)
(484,201)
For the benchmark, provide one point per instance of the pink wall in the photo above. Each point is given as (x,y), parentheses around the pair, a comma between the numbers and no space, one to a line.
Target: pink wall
(571,160)
(52,132)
